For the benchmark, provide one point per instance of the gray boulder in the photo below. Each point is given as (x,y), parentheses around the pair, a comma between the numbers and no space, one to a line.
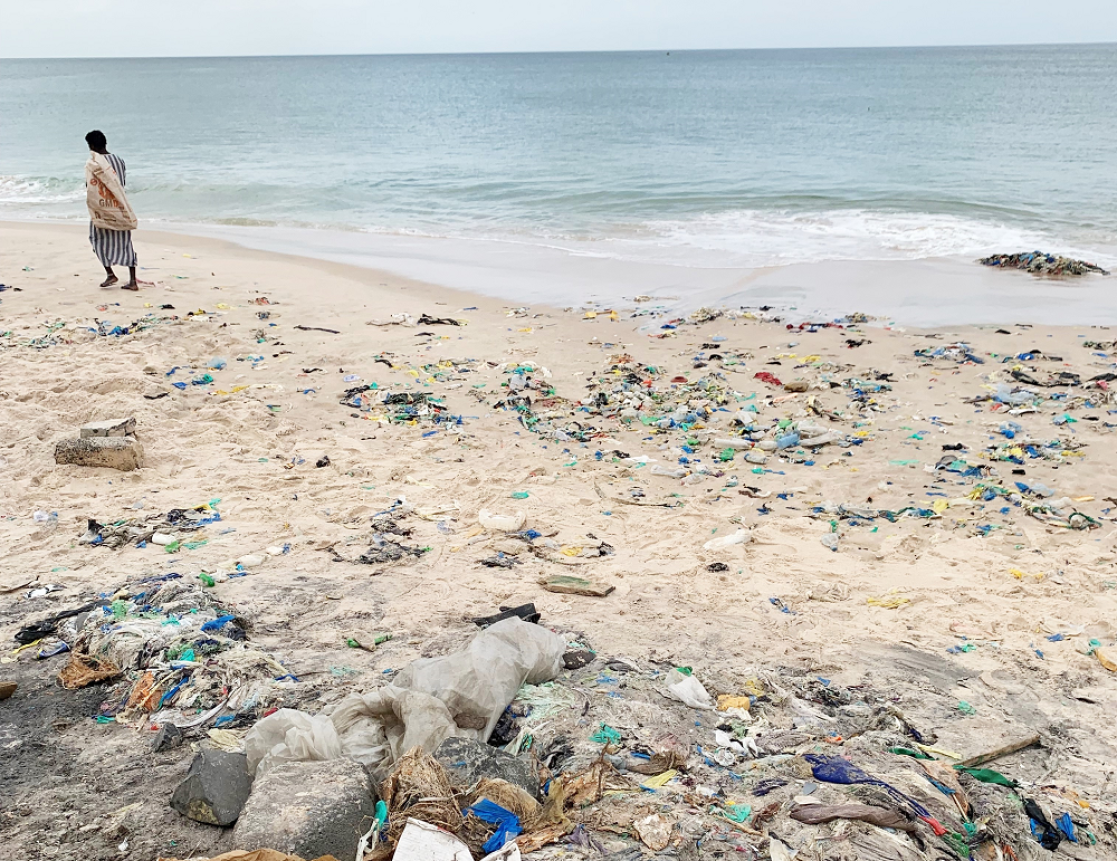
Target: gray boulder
(168,736)
(467,761)
(215,788)
(308,809)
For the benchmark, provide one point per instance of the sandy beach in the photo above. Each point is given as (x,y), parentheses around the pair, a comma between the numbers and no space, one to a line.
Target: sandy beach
(959,520)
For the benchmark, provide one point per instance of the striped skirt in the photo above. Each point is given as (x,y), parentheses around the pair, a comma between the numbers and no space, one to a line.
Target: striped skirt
(112,247)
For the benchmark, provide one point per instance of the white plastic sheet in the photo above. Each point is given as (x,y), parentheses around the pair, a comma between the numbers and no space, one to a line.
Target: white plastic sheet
(688,690)
(460,695)
(421,841)
(290,735)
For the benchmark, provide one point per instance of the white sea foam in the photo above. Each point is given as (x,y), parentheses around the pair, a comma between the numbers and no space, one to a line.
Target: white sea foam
(757,238)
(32,192)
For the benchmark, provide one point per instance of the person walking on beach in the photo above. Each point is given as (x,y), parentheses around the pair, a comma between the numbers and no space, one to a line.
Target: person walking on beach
(111,219)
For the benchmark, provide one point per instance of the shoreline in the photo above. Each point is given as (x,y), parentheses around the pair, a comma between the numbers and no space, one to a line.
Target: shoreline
(935,292)
(947,583)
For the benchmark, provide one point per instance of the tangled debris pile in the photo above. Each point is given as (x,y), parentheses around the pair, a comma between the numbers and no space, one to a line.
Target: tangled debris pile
(1039,263)
(626,760)
(166,530)
(181,656)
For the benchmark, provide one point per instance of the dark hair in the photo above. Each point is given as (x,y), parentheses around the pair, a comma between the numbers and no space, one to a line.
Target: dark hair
(96,140)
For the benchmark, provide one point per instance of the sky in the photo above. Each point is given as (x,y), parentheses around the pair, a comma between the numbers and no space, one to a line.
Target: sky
(156,28)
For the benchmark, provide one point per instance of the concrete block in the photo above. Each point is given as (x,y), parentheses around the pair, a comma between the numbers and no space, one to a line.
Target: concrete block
(308,809)
(114,452)
(109,427)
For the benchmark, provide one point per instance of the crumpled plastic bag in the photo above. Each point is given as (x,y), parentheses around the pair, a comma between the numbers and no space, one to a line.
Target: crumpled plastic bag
(378,728)
(688,690)
(479,682)
(432,699)
(360,730)
(290,735)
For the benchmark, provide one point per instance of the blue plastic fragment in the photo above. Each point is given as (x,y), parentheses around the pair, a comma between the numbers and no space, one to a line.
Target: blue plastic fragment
(507,823)
(218,623)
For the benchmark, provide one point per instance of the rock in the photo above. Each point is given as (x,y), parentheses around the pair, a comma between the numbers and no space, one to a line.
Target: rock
(467,761)
(123,453)
(169,736)
(796,386)
(215,789)
(324,460)
(109,428)
(309,809)
(7,689)
(578,658)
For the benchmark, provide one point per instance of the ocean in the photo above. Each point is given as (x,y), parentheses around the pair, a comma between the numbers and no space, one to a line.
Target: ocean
(718,160)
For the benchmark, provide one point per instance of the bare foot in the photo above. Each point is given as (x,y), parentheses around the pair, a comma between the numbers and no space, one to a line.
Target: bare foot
(131,285)
(108,282)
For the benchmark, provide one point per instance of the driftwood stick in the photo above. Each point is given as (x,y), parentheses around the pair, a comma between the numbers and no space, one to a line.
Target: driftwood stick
(1003,750)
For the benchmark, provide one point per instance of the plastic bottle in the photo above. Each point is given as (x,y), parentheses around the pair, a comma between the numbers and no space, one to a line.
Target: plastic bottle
(831,540)
(741,536)
(789,440)
(47,520)
(669,473)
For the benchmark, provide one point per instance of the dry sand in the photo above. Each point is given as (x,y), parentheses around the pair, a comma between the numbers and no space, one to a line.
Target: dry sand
(252,438)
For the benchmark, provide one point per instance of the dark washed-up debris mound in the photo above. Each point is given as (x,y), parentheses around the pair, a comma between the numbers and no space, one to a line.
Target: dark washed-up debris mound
(1039,263)
(385,550)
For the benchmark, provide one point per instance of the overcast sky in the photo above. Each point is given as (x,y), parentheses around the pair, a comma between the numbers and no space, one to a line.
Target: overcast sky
(146,28)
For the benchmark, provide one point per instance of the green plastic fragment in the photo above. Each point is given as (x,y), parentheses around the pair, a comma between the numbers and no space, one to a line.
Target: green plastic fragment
(965,708)
(957,843)
(606,735)
(987,775)
(737,812)
(907,751)
(206,579)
